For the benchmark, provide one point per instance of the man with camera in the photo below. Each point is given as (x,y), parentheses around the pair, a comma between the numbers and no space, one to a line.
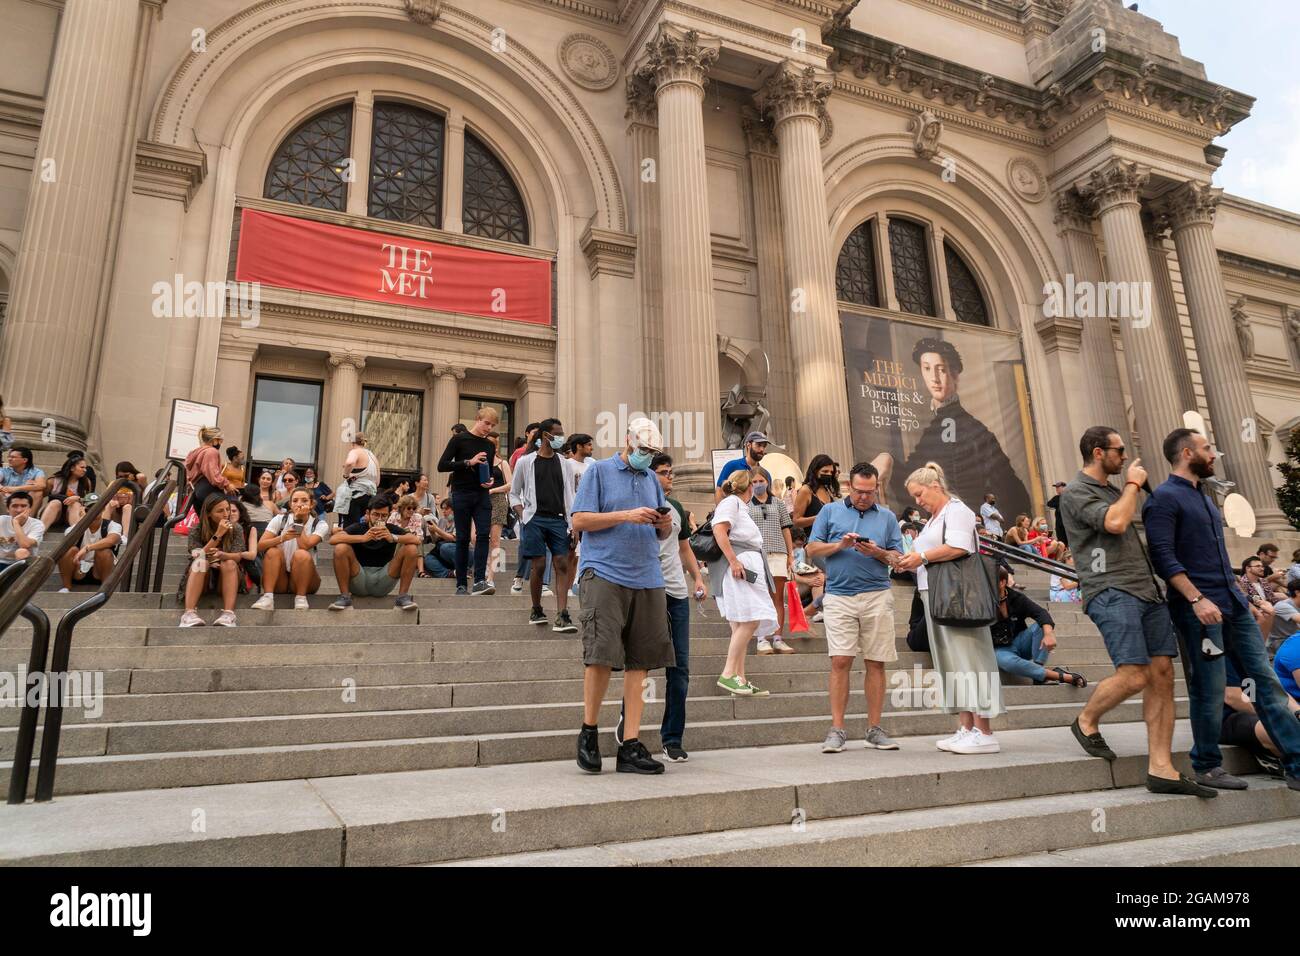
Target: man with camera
(369,559)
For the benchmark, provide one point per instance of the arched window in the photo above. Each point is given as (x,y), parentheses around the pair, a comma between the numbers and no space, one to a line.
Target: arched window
(855,271)
(909,250)
(963,290)
(492,206)
(406,165)
(308,167)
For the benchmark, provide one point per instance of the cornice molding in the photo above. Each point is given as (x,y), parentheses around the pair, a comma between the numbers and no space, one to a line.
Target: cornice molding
(910,105)
(1059,334)
(24,112)
(608,252)
(1252,269)
(168,172)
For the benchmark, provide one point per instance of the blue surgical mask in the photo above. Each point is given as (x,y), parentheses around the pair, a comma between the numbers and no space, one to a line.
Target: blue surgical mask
(760,489)
(640,460)
(557,442)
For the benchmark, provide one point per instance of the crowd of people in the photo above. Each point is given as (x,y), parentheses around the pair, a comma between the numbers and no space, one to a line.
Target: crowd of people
(609,532)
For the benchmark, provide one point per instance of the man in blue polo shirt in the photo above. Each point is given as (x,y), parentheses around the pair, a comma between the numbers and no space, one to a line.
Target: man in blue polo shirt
(1185,535)
(755,447)
(860,541)
(621,512)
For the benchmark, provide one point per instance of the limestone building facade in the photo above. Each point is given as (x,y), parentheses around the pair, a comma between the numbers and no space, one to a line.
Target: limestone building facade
(717,194)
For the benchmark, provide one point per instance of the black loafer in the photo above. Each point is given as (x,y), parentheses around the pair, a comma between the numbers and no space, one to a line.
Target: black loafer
(1093,744)
(634,758)
(1184,786)
(589,750)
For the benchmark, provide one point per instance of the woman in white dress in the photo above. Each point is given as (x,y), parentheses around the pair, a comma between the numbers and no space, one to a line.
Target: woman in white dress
(963,656)
(744,603)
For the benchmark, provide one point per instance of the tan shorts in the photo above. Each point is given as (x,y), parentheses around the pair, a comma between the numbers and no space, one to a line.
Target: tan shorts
(776,566)
(863,622)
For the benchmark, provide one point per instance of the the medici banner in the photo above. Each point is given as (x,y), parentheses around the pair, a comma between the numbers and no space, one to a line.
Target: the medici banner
(954,396)
(320,257)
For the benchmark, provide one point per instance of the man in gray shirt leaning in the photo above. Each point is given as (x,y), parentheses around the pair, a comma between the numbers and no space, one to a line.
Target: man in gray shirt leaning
(1121,597)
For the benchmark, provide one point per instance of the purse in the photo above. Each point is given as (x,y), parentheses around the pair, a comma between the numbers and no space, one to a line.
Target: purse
(963,592)
(704,545)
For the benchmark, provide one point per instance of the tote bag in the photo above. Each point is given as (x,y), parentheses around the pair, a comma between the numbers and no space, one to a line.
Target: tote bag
(963,592)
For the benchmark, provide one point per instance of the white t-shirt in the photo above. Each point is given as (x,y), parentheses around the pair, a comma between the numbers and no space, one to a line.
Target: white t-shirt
(992,524)
(670,559)
(741,528)
(315,525)
(579,467)
(954,526)
(94,537)
(9,541)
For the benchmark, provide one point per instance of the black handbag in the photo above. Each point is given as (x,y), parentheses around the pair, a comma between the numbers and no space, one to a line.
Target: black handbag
(964,591)
(704,545)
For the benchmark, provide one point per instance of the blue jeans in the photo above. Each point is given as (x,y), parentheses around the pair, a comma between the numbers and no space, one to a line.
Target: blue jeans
(472,505)
(678,678)
(526,564)
(441,559)
(1240,639)
(1025,656)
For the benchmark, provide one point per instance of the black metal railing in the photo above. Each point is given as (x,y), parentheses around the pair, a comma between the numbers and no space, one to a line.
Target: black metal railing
(57,680)
(182,494)
(1016,555)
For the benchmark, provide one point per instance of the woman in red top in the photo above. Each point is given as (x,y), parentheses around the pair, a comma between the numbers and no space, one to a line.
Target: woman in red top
(203,468)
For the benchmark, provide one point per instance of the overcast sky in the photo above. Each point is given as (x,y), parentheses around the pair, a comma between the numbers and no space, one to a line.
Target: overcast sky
(1249,46)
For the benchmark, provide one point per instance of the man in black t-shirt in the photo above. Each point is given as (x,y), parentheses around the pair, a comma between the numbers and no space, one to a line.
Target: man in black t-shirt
(468,457)
(541,493)
(369,559)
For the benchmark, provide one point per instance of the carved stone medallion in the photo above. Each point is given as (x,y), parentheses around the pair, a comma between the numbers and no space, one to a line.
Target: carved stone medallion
(1026,179)
(588,62)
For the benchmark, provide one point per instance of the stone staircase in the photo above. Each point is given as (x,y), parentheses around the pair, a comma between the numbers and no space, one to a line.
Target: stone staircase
(447,734)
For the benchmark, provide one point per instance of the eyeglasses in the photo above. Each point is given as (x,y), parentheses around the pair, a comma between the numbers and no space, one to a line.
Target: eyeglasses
(665,472)
(1120,448)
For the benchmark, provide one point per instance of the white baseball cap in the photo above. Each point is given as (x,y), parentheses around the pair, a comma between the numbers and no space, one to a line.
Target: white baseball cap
(644,432)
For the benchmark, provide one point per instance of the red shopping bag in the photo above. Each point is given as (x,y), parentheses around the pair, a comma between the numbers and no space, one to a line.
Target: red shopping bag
(186,524)
(794,609)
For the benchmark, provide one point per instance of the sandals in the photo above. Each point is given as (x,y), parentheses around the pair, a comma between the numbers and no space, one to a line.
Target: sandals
(1070,677)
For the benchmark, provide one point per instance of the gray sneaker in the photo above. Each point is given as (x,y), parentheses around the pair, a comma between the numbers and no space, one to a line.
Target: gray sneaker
(835,741)
(405,602)
(1220,779)
(877,739)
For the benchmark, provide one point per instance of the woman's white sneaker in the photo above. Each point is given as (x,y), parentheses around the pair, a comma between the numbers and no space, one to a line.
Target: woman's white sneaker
(265,603)
(977,742)
(226,619)
(947,742)
(191,619)
(300,602)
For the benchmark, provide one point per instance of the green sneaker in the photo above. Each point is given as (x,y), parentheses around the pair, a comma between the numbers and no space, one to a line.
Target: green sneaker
(736,686)
(756,691)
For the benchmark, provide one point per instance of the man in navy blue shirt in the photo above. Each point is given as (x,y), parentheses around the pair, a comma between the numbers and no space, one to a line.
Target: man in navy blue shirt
(1185,536)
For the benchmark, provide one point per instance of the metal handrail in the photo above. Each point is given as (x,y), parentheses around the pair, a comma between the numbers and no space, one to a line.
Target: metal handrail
(40,567)
(1014,554)
(35,688)
(146,557)
(63,650)
(179,482)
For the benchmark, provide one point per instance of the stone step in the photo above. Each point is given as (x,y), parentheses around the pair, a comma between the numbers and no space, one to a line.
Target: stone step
(303,747)
(1099,821)
(1272,843)
(468,813)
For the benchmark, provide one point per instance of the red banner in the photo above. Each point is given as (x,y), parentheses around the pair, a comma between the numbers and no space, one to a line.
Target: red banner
(320,257)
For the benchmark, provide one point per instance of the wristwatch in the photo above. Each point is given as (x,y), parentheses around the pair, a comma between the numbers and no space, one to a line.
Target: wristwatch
(924,559)
(1199,597)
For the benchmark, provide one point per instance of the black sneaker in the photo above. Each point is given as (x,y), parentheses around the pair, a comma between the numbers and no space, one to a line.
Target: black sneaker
(483,587)
(537,617)
(1270,765)
(676,754)
(589,750)
(564,624)
(634,758)
(462,591)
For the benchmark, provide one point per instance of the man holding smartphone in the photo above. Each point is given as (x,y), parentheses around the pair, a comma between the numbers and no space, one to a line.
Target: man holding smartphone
(541,493)
(468,456)
(369,559)
(860,541)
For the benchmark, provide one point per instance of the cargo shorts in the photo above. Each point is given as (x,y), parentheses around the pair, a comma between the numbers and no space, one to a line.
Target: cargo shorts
(623,628)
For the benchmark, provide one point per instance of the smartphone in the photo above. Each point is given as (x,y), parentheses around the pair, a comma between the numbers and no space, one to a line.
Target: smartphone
(663,509)
(751,576)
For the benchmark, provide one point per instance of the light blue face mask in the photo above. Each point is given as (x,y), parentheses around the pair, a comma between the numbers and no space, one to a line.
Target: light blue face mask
(557,442)
(640,460)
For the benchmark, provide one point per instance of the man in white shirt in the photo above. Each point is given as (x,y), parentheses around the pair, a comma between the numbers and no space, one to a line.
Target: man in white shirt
(20,532)
(92,561)
(992,517)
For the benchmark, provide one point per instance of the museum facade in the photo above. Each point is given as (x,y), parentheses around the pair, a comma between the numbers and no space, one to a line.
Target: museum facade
(324,215)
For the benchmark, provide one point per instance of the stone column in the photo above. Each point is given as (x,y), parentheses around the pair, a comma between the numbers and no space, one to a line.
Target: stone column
(1115,187)
(345,413)
(794,99)
(454,174)
(445,380)
(1237,436)
(1157,229)
(59,295)
(1102,399)
(773,301)
(232,388)
(676,62)
(643,140)
(363,127)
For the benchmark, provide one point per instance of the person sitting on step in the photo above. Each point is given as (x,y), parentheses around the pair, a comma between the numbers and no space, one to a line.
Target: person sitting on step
(21,532)
(216,544)
(91,561)
(288,551)
(369,559)
(1023,635)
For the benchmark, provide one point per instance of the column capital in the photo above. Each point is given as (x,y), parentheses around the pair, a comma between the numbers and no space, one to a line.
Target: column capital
(759,135)
(641,104)
(1190,204)
(676,55)
(792,91)
(339,359)
(1115,183)
(439,370)
(1155,226)
(1073,211)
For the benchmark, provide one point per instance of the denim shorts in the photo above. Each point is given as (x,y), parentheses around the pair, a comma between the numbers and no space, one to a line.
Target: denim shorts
(542,534)
(1134,630)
